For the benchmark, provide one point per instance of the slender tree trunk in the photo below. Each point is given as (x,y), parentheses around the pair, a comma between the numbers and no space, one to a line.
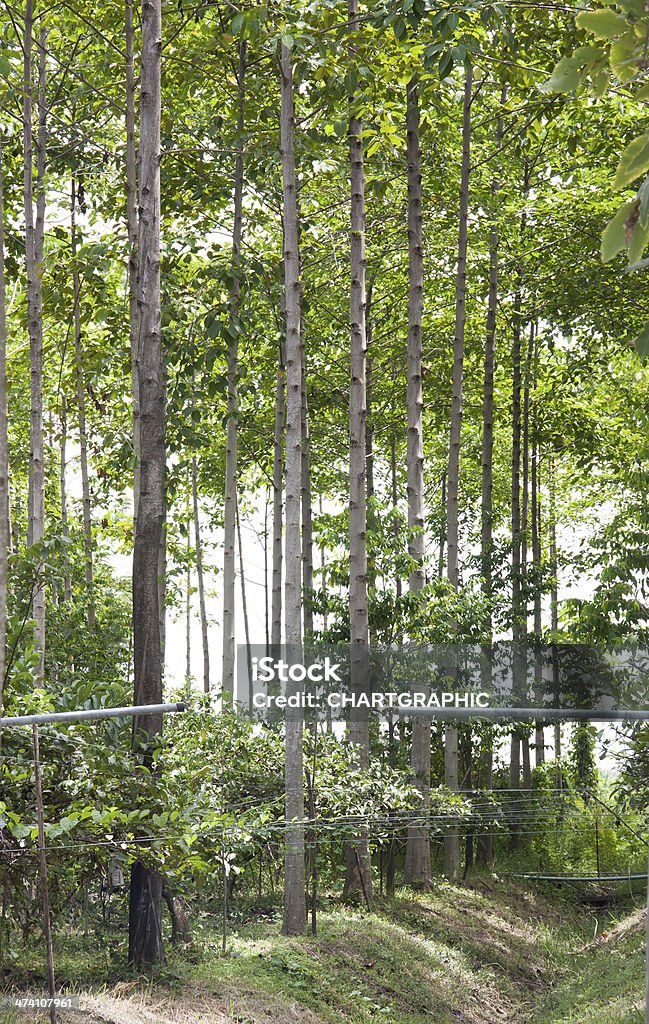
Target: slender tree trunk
(394,491)
(201,578)
(306,502)
(145,936)
(81,413)
(484,845)
(525,516)
(244,607)
(417,869)
(63,490)
(132,230)
(266,587)
(278,474)
(518,630)
(452,841)
(369,420)
(539,737)
(294,874)
(230,496)
(34,236)
(4,447)
(188,613)
(358,876)
(554,609)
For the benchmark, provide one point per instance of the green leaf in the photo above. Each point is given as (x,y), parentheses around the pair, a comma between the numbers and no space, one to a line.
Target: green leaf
(564,78)
(642,342)
(624,57)
(287,40)
(603,24)
(445,64)
(614,234)
(633,162)
(399,28)
(237,23)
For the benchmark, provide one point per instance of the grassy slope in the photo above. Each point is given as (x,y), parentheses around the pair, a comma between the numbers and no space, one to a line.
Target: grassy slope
(462,955)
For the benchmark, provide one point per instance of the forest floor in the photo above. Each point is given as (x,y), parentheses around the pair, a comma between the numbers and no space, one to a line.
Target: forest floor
(489,952)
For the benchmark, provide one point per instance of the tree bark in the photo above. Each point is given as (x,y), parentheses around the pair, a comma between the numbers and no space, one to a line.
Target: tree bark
(181,934)
(132,231)
(63,490)
(4,446)
(145,939)
(294,922)
(452,841)
(518,625)
(358,876)
(417,868)
(201,579)
(278,479)
(306,500)
(34,237)
(484,844)
(244,606)
(81,414)
(230,495)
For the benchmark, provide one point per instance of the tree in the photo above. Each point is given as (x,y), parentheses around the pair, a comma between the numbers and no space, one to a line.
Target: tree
(294,878)
(451,843)
(417,869)
(145,934)
(358,875)
(230,496)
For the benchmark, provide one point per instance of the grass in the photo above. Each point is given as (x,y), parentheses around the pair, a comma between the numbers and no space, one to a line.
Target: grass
(477,954)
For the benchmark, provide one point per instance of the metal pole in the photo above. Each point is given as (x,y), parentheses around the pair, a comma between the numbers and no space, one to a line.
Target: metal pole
(72,717)
(42,861)
(524,714)
(97,713)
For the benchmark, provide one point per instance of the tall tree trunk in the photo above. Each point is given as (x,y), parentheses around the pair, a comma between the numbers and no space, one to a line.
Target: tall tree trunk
(34,236)
(230,495)
(201,578)
(244,607)
(63,490)
(278,475)
(294,874)
(554,609)
(394,493)
(484,845)
(358,875)
(452,841)
(539,737)
(525,516)
(369,420)
(145,936)
(132,231)
(417,868)
(81,413)
(266,587)
(518,626)
(306,500)
(4,446)
(188,611)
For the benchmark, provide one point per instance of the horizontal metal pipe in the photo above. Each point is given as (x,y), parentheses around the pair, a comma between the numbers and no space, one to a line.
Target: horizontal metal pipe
(85,716)
(525,714)
(582,878)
